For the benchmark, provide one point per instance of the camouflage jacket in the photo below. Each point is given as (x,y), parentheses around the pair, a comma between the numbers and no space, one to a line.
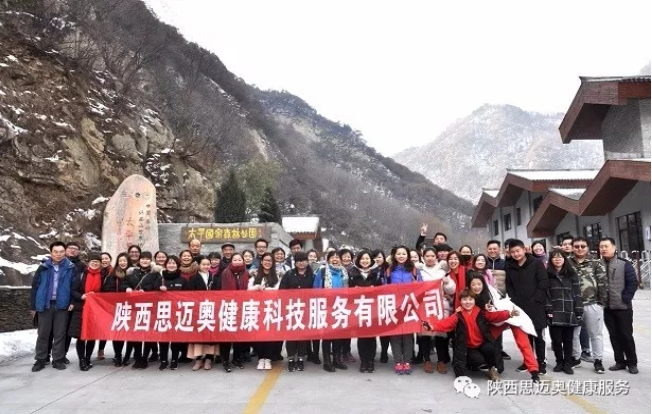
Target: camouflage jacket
(593,281)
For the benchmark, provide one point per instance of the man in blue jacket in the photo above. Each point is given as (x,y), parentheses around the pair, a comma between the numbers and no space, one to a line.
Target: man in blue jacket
(621,285)
(51,301)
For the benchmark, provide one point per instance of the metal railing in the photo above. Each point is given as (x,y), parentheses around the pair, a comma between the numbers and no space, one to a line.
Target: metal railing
(641,262)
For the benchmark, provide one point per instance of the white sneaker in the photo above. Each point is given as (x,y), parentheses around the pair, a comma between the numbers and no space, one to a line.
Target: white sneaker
(268,364)
(261,364)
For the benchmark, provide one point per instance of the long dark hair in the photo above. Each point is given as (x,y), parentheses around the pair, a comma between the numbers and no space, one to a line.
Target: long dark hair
(566,269)
(272,277)
(475,259)
(359,257)
(408,265)
(484,296)
(376,253)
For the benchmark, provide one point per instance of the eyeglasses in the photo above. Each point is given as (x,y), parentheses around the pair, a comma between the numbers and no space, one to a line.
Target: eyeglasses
(578,246)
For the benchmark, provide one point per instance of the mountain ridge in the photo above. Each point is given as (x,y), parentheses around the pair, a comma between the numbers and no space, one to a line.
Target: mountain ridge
(474,151)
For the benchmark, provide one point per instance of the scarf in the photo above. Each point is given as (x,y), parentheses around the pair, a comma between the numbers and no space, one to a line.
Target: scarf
(93,280)
(328,276)
(120,272)
(214,270)
(235,278)
(190,269)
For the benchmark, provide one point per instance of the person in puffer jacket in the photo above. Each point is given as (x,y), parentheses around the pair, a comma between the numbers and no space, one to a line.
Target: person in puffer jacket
(563,308)
(402,271)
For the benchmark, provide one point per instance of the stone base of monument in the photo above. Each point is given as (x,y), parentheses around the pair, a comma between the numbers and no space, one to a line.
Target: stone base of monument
(174,237)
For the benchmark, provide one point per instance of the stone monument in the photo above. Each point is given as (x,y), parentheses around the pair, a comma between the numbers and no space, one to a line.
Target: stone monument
(130,217)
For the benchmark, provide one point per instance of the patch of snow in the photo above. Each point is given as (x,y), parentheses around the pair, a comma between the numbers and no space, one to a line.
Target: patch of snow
(3,65)
(12,58)
(17,111)
(40,257)
(23,268)
(165,167)
(13,246)
(17,344)
(54,158)
(39,245)
(167,151)
(52,233)
(18,236)
(92,241)
(16,129)
(64,125)
(99,200)
(2,93)
(5,237)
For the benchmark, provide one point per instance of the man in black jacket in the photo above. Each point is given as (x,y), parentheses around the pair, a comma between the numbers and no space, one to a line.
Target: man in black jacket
(621,286)
(526,283)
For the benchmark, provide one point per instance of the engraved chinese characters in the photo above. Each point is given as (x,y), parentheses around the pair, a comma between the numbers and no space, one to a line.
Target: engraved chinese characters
(130,217)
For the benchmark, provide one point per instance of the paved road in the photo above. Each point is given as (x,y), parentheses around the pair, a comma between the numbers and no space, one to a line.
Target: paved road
(106,389)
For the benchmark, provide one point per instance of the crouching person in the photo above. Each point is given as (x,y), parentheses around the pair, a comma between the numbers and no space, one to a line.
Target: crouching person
(474,344)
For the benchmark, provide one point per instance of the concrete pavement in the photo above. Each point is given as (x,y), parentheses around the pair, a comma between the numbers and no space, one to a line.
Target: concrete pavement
(105,389)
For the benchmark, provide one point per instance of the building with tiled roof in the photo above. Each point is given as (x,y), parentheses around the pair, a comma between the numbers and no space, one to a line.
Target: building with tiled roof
(613,201)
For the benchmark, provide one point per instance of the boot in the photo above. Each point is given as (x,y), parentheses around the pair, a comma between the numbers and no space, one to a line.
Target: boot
(337,363)
(370,367)
(82,365)
(88,362)
(328,365)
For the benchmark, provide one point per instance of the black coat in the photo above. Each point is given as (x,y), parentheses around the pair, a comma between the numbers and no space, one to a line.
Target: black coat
(172,281)
(113,284)
(564,300)
(77,291)
(460,346)
(196,282)
(373,279)
(527,286)
(292,280)
(146,280)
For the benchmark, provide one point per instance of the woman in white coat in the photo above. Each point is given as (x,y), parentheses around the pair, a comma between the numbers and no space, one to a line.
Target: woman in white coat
(432,271)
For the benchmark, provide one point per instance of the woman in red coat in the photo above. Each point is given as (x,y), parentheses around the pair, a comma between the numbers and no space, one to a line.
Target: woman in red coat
(234,277)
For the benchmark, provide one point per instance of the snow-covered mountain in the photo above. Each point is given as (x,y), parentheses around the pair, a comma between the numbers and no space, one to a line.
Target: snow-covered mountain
(475,151)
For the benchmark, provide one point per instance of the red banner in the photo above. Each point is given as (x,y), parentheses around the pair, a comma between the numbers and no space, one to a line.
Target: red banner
(239,316)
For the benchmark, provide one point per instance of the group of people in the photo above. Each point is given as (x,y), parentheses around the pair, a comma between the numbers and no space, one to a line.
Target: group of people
(515,287)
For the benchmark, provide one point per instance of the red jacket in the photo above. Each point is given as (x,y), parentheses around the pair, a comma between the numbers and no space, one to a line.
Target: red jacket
(473,335)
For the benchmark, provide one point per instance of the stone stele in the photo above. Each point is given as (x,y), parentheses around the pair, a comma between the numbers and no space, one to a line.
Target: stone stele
(130,217)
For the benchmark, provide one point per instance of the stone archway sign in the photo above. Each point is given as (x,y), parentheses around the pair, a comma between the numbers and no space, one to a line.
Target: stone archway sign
(130,217)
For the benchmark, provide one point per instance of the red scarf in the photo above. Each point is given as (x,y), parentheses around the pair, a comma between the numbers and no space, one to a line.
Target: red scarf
(93,280)
(235,278)
(459,277)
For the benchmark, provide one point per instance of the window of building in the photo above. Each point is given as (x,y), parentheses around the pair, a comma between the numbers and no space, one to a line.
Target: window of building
(536,203)
(593,233)
(507,221)
(518,216)
(496,228)
(630,232)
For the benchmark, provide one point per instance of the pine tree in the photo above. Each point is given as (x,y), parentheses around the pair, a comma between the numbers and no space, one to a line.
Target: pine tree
(269,210)
(231,201)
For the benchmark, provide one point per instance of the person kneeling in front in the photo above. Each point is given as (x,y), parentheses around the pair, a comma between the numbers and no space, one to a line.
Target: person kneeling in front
(474,344)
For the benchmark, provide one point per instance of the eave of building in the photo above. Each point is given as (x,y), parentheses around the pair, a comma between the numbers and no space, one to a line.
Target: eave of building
(514,184)
(614,181)
(584,117)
